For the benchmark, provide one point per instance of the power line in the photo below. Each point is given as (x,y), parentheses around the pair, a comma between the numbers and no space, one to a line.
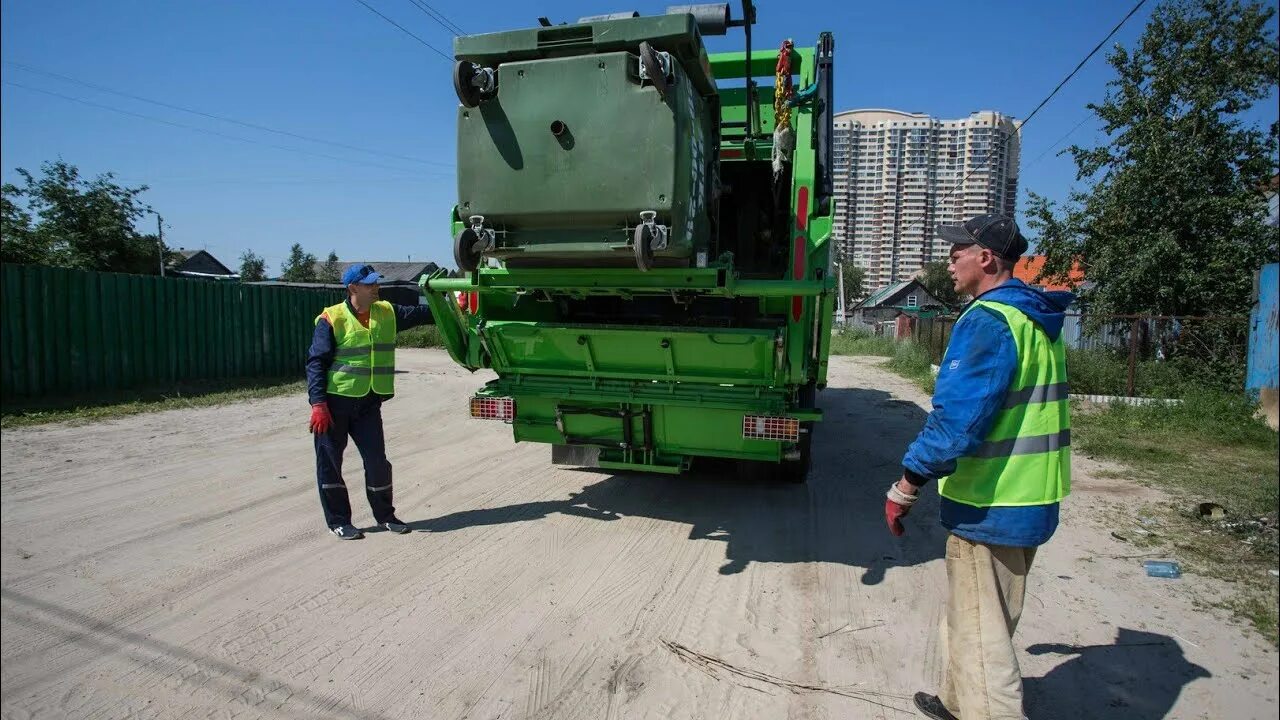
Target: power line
(1043,102)
(221,118)
(153,181)
(1059,142)
(438,16)
(205,131)
(405,30)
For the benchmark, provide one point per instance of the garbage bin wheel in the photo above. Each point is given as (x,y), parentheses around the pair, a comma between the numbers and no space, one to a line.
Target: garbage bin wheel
(467,248)
(468,94)
(653,68)
(642,241)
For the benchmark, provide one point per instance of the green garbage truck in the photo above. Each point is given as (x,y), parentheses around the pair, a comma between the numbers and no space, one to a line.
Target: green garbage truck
(643,231)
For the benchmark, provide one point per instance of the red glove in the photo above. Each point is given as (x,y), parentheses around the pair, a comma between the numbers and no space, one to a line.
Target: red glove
(897,505)
(321,419)
(893,514)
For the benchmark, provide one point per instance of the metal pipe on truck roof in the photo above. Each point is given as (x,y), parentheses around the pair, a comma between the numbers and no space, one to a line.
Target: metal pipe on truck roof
(712,18)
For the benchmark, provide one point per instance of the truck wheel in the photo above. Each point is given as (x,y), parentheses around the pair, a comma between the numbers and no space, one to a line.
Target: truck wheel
(642,241)
(466,250)
(797,471)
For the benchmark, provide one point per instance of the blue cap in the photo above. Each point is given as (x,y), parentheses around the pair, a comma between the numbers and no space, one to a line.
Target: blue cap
(361,275)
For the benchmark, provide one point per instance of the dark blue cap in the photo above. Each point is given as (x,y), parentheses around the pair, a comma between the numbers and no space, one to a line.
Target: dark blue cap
(997,233)
(361,275)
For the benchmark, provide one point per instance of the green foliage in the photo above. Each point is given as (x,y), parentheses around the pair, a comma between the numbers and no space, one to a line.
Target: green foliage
(1174,223)
(18,242)
(252,267)
(62,220)
(861,342)
(423,336)
(937,281)
(911,360)
(300,266)
(331,270)
(854,277)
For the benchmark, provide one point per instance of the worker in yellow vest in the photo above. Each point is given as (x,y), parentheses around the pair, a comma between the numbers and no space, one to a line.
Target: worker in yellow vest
(350,373)
(998,442)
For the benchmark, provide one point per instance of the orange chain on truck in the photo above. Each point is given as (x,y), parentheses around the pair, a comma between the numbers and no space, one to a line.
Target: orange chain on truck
(782,88)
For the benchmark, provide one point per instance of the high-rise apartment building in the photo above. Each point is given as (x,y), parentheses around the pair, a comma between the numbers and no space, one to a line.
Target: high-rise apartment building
(900,176)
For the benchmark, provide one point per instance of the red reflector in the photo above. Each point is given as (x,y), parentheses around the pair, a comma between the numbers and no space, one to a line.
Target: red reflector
(797,272)
(488,408)
(730,153)
(761,427)
(802,207)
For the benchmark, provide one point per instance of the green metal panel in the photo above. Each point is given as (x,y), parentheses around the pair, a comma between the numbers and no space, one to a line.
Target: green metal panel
(732,65)
(75,324)
(733,356)
(687,419)
(676,34)
(71,331)
(573,197)
(10,336)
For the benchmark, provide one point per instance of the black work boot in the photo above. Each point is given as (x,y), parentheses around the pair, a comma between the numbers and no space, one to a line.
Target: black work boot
(930,706)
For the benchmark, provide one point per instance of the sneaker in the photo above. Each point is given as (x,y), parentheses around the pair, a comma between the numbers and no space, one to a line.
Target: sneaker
(396,525)
(347,532)
(930,706)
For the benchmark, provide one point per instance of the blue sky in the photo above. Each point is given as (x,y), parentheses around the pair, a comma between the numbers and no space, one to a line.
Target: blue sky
(332,70)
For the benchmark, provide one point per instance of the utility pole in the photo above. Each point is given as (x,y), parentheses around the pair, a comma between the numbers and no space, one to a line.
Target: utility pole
(160,249)
(840,298)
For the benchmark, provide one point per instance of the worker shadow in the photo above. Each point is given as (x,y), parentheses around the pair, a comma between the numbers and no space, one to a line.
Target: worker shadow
(836,517)
(1138,677)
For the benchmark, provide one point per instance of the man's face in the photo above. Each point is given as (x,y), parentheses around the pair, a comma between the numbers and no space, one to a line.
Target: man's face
(365,294)
(967,267)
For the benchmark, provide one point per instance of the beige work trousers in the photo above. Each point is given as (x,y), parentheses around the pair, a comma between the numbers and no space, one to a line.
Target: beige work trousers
(987,585)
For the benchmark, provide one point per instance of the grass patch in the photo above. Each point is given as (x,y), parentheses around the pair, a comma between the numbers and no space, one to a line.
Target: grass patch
(912,361)
(861,342)
(1210,448)
(423,336)
(116,404)
(1106,372)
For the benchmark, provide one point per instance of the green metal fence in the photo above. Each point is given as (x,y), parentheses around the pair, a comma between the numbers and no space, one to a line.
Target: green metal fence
(74,331)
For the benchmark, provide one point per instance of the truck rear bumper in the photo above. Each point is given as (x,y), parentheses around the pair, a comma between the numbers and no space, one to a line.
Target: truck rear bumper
(652,426)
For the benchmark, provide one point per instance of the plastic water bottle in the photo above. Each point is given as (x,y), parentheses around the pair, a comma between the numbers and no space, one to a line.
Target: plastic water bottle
(1162,568)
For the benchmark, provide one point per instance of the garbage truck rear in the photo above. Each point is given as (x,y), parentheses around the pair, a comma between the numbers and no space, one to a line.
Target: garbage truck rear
(643,232)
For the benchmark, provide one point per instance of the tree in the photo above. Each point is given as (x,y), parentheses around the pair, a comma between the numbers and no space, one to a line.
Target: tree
(937,281)
(854,279)
(18,241)
(78,223)
(331,270)
(299,267)
(252,267)
(1174,222)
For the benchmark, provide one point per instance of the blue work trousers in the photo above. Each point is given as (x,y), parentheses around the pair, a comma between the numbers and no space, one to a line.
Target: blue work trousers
(361,420)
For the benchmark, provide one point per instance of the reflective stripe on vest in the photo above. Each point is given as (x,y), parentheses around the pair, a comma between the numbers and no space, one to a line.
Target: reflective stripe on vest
(1025,458)
(365,358)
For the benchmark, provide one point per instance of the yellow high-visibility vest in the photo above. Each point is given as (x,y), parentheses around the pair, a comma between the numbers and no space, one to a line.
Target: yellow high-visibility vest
(1025,459)
(366,356)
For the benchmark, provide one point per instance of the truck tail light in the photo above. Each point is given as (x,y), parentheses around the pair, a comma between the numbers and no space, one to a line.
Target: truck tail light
(493,408)
(761,427)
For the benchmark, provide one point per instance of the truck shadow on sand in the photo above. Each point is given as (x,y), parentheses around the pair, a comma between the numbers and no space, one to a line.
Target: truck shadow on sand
(837,517)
